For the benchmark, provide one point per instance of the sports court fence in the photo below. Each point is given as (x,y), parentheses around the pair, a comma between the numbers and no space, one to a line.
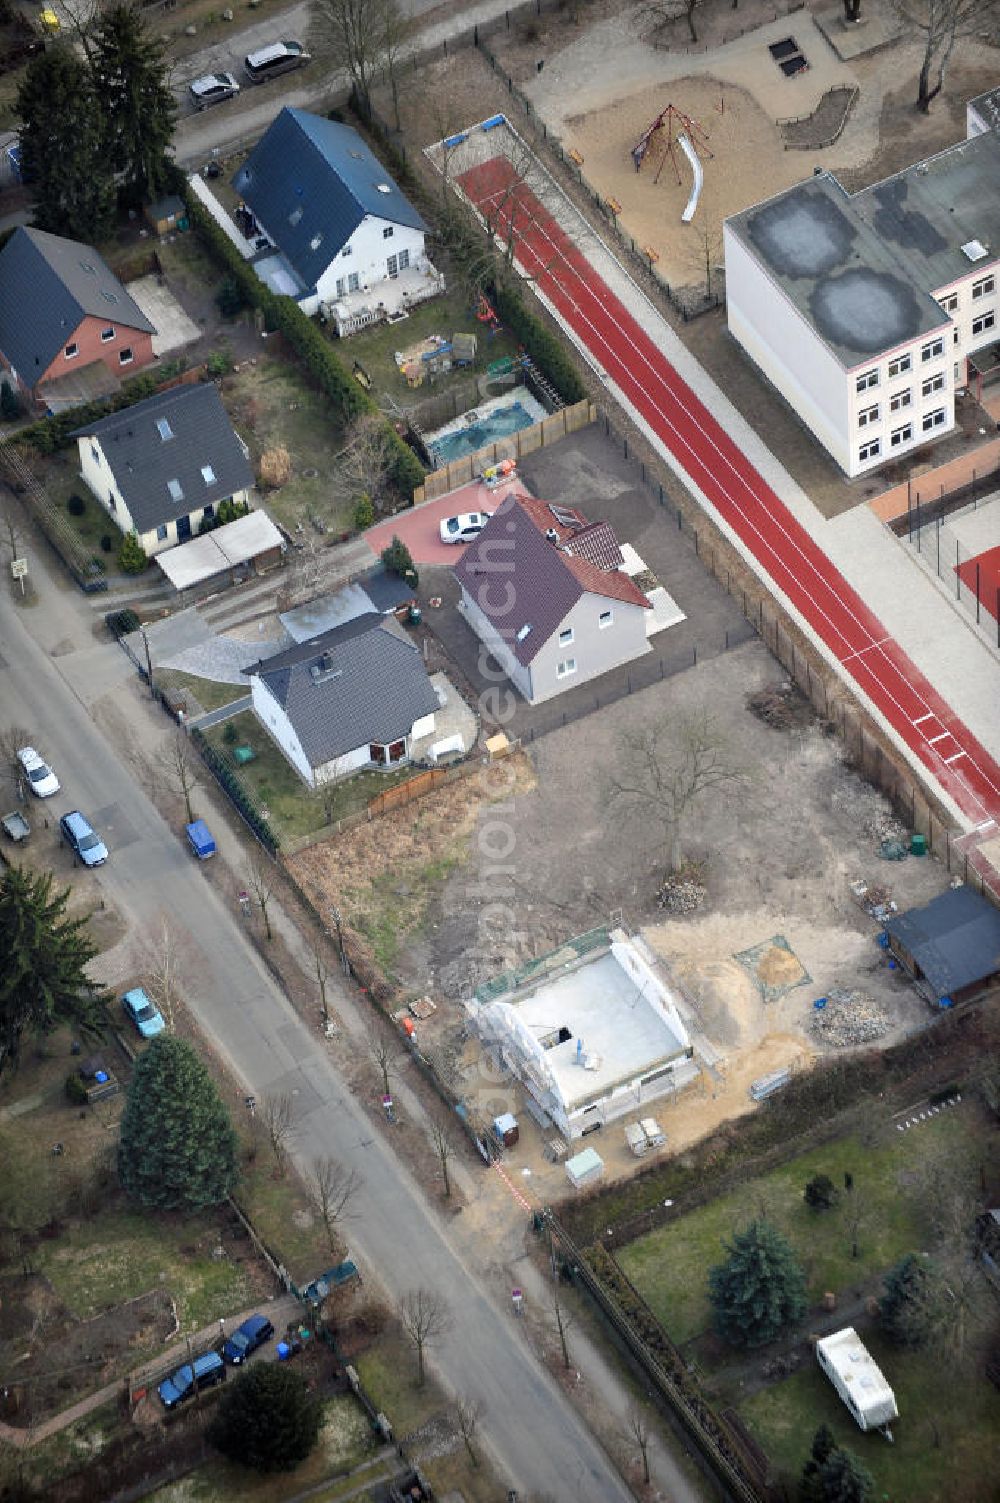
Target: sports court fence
(969,576)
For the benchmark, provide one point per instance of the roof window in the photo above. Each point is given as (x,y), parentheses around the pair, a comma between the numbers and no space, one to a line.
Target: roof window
(295,215)
(89,268)
(208,474)
(524,632)
(974,250)
(109,297)
(316,242)
(176,490)
(383,187)
(164,429)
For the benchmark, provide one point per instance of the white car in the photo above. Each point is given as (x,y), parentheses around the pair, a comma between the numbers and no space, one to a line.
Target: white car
(212,89)
(464,528)
(41,779)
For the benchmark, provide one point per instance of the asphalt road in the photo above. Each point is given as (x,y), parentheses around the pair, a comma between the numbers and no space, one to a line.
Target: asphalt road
(52,673)
(237,122)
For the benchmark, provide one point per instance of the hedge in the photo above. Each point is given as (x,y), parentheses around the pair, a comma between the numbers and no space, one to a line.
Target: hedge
(231,784)
(545,349)
(52,433)
(284,315)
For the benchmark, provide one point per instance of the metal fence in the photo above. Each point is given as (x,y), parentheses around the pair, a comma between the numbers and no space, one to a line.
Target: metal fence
(969,575)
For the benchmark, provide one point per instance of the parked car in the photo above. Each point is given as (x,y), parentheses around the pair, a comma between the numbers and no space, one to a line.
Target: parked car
(75,831)
(280,57)
(203,1372)
(147,1018)
(41,779)
(253,1333)
(213,88)
(464,528)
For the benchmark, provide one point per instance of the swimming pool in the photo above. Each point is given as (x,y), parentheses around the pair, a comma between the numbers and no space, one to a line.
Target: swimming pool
(495,419)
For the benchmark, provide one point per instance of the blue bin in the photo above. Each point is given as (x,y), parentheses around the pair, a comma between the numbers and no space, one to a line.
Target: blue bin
(819,1004)
(882,940)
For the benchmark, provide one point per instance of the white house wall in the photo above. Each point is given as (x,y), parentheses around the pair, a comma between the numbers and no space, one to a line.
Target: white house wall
(780,341)
(594,649)
(276,722)
(367,253)
(422,727)
(487,633)
(342,767)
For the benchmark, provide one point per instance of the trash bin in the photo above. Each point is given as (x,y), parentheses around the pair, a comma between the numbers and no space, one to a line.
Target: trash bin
(918,845)
(415,615)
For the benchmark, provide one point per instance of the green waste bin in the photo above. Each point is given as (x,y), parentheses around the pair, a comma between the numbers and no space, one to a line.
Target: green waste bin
(243,754)
(415,615)
(918,845)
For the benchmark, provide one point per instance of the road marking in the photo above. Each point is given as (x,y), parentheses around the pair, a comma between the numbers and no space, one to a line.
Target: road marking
(949,760)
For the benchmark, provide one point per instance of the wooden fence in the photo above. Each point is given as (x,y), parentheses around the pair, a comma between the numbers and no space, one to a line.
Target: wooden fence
(405,793)
(527,441)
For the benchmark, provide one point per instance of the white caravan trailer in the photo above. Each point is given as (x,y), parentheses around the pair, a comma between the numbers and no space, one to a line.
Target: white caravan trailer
(857,1378)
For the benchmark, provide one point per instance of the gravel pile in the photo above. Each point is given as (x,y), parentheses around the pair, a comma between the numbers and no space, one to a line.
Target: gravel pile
(849,1018)
(681,894)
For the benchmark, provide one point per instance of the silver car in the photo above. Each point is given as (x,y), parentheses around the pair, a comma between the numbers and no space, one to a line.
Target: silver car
(212,89)
(280,57)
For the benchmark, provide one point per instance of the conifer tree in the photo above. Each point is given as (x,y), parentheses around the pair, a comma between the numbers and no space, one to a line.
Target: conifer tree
(62,148)
(759,1290)
(177,1149)
(130,78)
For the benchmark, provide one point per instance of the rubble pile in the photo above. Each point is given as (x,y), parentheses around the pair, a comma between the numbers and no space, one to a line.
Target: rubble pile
(780,705)
(848,1019)
(681,893)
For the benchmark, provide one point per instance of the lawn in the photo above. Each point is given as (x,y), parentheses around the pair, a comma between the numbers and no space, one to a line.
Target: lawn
(448,315)
(388,1372)
(345,1443)
(670,1266)
(60,478)
(944,1440)
(121,1253)
(294,810)
(273,406)
(207,692)
(280,1212)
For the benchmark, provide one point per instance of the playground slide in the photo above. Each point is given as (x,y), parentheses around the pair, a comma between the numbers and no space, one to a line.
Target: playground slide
(685,145)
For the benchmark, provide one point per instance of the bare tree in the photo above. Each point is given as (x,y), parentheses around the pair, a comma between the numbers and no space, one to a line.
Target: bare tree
(425,1318)
(468,1413)
(942,23)
(330,1188)
(444,1147)
(663,12)
(10,533)
(362,37)
(178,763)
(279,1126)
(322,977)
(856,1211)
(364,462)
(385,1054)
(338,929)
(661,773)
(563,1320)
(260,880)
(706,253)
(12,738)
(166,968)
(638,1430)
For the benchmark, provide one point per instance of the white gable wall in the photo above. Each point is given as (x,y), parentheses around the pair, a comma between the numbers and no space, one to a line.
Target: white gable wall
(779,340)
(369,251)
(274,720)
(96,475)
(487,633)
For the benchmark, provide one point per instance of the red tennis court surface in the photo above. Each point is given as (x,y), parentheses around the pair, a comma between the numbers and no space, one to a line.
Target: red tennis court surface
(796,565)
(981,575)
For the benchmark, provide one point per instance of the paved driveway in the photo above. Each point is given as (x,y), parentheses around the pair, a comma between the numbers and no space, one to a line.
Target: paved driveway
(418,528)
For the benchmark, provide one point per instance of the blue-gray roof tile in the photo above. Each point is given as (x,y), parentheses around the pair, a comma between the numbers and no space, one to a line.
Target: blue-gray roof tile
(310,182)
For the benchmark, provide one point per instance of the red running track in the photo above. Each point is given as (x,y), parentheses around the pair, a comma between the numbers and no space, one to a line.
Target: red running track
(716,466)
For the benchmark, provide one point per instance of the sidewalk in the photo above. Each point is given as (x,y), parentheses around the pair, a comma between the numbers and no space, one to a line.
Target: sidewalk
(280,1312)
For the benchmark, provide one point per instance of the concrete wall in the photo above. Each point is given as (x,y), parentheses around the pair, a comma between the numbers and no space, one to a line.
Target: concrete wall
(91,347)
(369,251)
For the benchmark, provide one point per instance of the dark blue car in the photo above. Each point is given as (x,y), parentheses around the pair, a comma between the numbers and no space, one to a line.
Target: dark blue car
(247,1338)
(204,1372)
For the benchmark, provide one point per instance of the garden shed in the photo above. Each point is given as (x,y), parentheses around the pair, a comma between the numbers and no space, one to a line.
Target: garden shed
(950,946)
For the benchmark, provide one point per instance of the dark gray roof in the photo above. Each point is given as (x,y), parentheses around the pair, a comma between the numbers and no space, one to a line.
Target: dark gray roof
(955,939)
(369,684)
(387,592)
(160,476)
(310,182)
(545,577)
(987,107)
(864,270)
(48,286)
